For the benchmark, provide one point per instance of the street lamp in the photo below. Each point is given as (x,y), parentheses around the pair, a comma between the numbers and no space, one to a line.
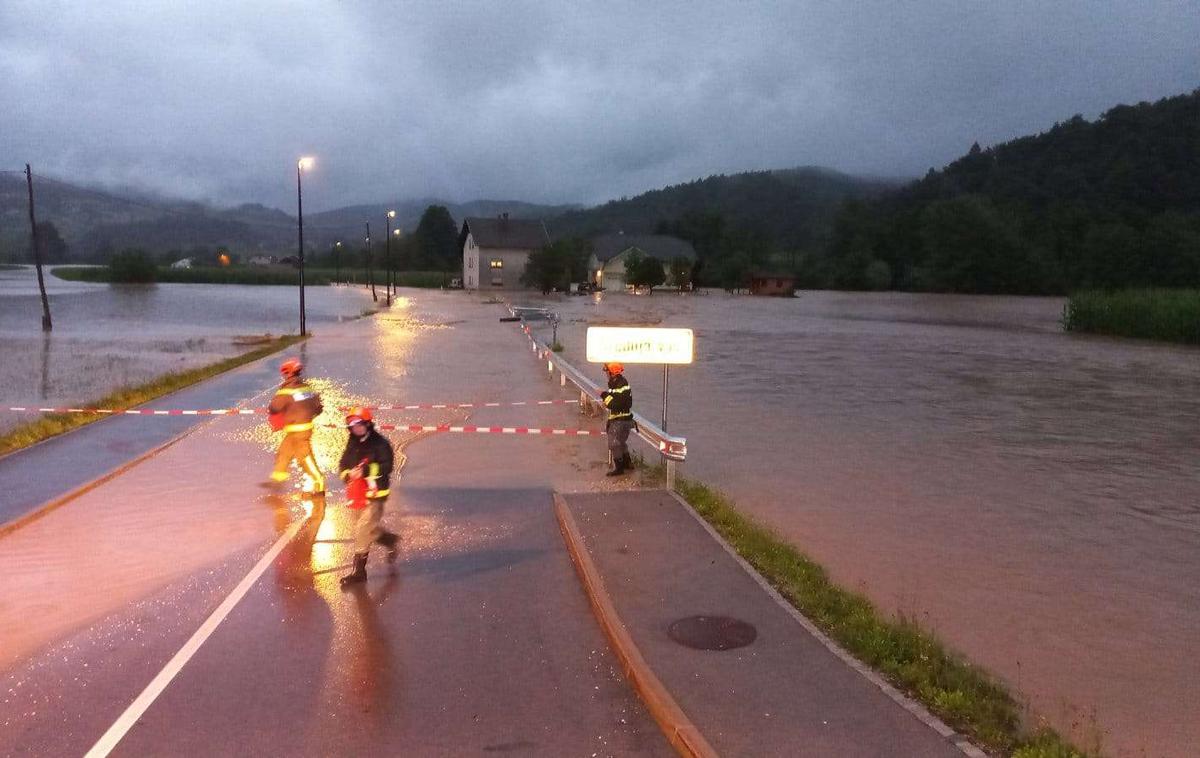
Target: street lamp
(337,265)
(397,233)
(302,165)
(370,272)
(387,241)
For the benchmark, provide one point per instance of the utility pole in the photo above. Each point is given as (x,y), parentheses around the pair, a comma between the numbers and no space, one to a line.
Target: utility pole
(47,325)
(370,269)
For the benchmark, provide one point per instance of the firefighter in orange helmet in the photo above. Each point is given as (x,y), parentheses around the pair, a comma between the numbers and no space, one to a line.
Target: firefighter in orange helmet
(618,399)
(292,411)
(366,467)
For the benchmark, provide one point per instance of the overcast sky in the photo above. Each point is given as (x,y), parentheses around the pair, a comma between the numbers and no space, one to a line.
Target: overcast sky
(535,101)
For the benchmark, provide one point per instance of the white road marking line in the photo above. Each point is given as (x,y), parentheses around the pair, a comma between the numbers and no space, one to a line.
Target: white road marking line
(138,707)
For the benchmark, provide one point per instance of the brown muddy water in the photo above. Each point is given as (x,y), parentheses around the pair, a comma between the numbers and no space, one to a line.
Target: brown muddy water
(1031,496)
(109,336)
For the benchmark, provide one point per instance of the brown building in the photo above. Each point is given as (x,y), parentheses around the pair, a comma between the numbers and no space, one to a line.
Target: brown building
(772,283)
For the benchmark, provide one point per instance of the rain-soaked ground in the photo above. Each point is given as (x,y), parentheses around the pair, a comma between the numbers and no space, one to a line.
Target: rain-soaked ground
(1032,496)
(478,638)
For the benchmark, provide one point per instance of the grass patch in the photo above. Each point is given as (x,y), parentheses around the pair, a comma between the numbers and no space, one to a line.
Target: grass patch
(1155,314)
(269,276)
(964,696)
(54,424)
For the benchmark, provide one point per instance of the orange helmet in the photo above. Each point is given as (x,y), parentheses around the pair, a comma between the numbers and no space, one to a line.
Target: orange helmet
(291,367)
(614,368)
(358,414)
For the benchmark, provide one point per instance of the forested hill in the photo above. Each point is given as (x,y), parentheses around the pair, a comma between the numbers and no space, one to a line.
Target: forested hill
(787,210)
(1109,203)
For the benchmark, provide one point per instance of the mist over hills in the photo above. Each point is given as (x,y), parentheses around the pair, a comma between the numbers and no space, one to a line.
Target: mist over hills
(794,203)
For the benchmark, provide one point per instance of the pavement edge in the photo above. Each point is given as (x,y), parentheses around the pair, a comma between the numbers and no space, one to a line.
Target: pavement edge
(919,711)
(675,724)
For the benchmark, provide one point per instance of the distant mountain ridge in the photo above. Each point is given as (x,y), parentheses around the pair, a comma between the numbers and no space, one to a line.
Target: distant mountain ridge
(92,220)
(790,208)
(794,205)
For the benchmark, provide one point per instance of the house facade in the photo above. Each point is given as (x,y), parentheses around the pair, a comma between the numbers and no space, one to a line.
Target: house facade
(606,265)
(495,250)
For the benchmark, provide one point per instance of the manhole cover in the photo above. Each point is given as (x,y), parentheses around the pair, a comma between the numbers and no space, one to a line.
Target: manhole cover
(712,632)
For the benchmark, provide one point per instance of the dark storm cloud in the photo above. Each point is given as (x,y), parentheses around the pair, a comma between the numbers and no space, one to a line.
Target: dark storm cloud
(542,101)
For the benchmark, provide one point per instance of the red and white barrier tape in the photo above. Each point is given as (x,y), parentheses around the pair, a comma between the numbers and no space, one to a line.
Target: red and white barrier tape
(143,411)
(254,411)
(467,429)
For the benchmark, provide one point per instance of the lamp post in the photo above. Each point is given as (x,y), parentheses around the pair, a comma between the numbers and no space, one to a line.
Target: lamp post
(397,233)
(387,242)
(337,265)
(370,272)
(301,166)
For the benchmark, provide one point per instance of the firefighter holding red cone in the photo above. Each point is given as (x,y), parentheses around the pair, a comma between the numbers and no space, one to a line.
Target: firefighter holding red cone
(292,411)
(366,467)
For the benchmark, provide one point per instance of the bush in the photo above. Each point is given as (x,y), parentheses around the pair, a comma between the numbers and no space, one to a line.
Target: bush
(133,267)
(1157,314)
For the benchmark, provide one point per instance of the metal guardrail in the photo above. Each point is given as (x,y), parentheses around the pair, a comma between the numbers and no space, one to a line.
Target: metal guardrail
(673,449)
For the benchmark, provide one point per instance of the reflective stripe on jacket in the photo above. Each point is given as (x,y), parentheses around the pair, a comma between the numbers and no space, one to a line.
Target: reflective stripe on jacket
(618,398)
(298,404)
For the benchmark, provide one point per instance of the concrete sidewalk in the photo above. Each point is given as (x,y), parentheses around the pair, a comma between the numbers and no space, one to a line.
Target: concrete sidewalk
(784,693)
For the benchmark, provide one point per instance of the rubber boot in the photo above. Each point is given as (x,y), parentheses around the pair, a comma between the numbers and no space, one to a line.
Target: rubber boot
(618,468)
(391,541)
(359,574)
(627,461)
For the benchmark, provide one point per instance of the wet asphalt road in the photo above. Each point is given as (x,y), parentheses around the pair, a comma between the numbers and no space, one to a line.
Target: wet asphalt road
(47,471)
(478,640)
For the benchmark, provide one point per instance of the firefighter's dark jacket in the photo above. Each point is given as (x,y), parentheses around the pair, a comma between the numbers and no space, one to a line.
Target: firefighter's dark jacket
(618,398)
(377,452)
(298,403)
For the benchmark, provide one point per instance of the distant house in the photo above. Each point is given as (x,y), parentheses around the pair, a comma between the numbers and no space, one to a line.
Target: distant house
(772,283)
(606,266)
(182,263)
(495,250)
(261,260)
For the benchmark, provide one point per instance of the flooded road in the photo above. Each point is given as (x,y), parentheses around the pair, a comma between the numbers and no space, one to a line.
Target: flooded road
(1032,496)
(109,336)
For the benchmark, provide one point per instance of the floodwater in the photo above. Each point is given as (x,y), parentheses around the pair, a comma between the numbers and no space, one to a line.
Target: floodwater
(1032,496)
(109,336)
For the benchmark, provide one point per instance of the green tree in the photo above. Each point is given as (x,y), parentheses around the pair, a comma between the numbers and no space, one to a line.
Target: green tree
(647,273)
(53,248)
(681,272)
(549,267)
(435,241)
(132,266)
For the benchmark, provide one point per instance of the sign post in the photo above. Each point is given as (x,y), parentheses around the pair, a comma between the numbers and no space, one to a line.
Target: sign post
(644,345)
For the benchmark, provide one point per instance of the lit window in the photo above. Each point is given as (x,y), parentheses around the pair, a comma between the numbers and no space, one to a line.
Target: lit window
(497,263)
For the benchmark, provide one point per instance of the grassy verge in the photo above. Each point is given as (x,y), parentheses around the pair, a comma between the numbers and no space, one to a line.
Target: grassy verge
(53,424)
(277,276)
(1156,314)
(964,696)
